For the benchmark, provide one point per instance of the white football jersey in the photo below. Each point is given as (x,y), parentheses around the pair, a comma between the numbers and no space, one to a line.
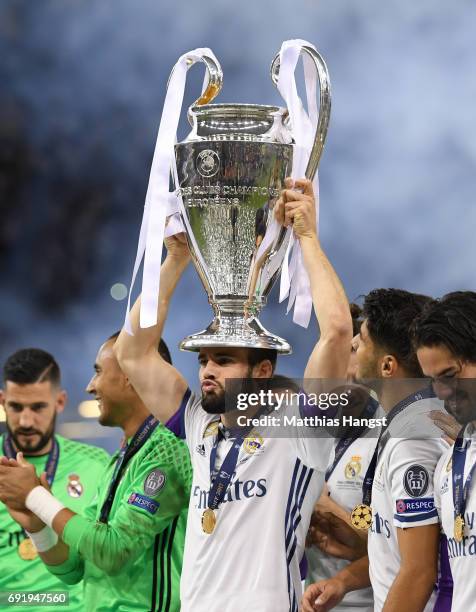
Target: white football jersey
(402,491)
(251,560)
(462,555)
(345,488)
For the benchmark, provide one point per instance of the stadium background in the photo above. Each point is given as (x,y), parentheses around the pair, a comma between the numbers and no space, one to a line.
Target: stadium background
(80,101)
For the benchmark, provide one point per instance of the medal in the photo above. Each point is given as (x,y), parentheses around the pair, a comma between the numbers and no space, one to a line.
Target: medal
(209,520)
(459,528)
(27,550)
(361,517)
(460,487)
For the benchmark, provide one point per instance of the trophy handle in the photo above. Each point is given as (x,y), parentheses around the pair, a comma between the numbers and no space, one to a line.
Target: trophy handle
(324,105)
(215,80)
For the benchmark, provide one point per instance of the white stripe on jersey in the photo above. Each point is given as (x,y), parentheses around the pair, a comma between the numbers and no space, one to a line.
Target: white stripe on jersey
(462,555)
(251,560)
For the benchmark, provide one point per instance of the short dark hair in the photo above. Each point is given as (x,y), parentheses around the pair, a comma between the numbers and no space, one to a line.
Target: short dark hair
(449,321)
(356,314)
(257,355)
(163,349)
(31,365)
(390,314)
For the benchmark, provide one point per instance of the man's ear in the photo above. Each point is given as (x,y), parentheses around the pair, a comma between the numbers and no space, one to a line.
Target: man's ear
(388,366)
(61,400)
(2,397)
(263,369)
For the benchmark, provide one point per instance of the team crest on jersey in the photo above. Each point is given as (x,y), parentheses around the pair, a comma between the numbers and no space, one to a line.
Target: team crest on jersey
(449,465)
(353,468)
(74,487)
(154,483)
(211,429)
(253,443)
(416,480)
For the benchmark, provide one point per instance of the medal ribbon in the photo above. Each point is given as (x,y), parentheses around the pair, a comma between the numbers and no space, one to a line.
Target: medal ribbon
(220,480)
(383,439)
(125,455)
(51,463)
(344,443)
(460,490)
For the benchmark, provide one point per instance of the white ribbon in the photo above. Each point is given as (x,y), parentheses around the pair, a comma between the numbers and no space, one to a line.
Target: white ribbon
(294,279)
(159,203)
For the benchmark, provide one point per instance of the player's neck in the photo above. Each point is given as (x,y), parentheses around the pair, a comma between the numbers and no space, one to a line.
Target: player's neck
(397,390)
(230,419)
(134,421)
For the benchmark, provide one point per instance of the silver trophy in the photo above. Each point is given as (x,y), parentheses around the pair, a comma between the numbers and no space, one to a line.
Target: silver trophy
(231,170)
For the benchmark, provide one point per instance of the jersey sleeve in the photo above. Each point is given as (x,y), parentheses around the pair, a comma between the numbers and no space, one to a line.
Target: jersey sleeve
(179,422)
(411,470)
(158,492)
(306,426)
(69,572)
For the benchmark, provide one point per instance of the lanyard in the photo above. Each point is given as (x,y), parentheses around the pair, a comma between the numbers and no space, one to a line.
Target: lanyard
(220,479)
(460,490)
(383,439)
(51,463)
(344,443)
(125,455)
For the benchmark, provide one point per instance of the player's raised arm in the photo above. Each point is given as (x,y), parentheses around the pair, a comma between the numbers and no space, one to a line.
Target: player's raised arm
(160,386)
(331,353)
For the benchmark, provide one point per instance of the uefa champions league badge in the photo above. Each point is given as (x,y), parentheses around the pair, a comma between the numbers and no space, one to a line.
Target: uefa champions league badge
(74,487)
(154,483)
(416,480)
(353,468)
(253,443)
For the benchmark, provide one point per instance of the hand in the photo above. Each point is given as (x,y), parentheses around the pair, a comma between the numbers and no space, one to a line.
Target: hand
(16,481)
(26,519)
(297,207)
(447,423)
(177,247)
(335,537)
(323,595)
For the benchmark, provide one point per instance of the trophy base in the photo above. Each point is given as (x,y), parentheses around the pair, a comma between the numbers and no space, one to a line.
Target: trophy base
(235,331)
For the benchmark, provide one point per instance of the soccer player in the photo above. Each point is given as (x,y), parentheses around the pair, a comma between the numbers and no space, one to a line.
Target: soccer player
(344,479)
(127,546)
(445,340)
(32,398)
(243,546)
(404,533)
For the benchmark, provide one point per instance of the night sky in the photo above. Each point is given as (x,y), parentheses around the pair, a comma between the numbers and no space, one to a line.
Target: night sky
(80,102)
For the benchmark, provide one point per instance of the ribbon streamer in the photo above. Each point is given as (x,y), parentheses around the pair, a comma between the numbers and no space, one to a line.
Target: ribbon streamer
(159,203)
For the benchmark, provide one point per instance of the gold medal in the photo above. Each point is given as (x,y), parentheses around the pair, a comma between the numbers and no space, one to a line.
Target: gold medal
(209,520)
(27,550)
(459,528)
(361,517)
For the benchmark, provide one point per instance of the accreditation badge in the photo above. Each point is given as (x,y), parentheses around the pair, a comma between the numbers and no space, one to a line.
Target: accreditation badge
(27,550)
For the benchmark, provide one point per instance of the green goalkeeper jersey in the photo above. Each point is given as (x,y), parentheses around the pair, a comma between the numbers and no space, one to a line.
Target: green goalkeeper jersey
(134,560)
(79,469)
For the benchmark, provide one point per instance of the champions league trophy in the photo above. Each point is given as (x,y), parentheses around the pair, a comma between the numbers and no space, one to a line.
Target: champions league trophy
(230,173)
